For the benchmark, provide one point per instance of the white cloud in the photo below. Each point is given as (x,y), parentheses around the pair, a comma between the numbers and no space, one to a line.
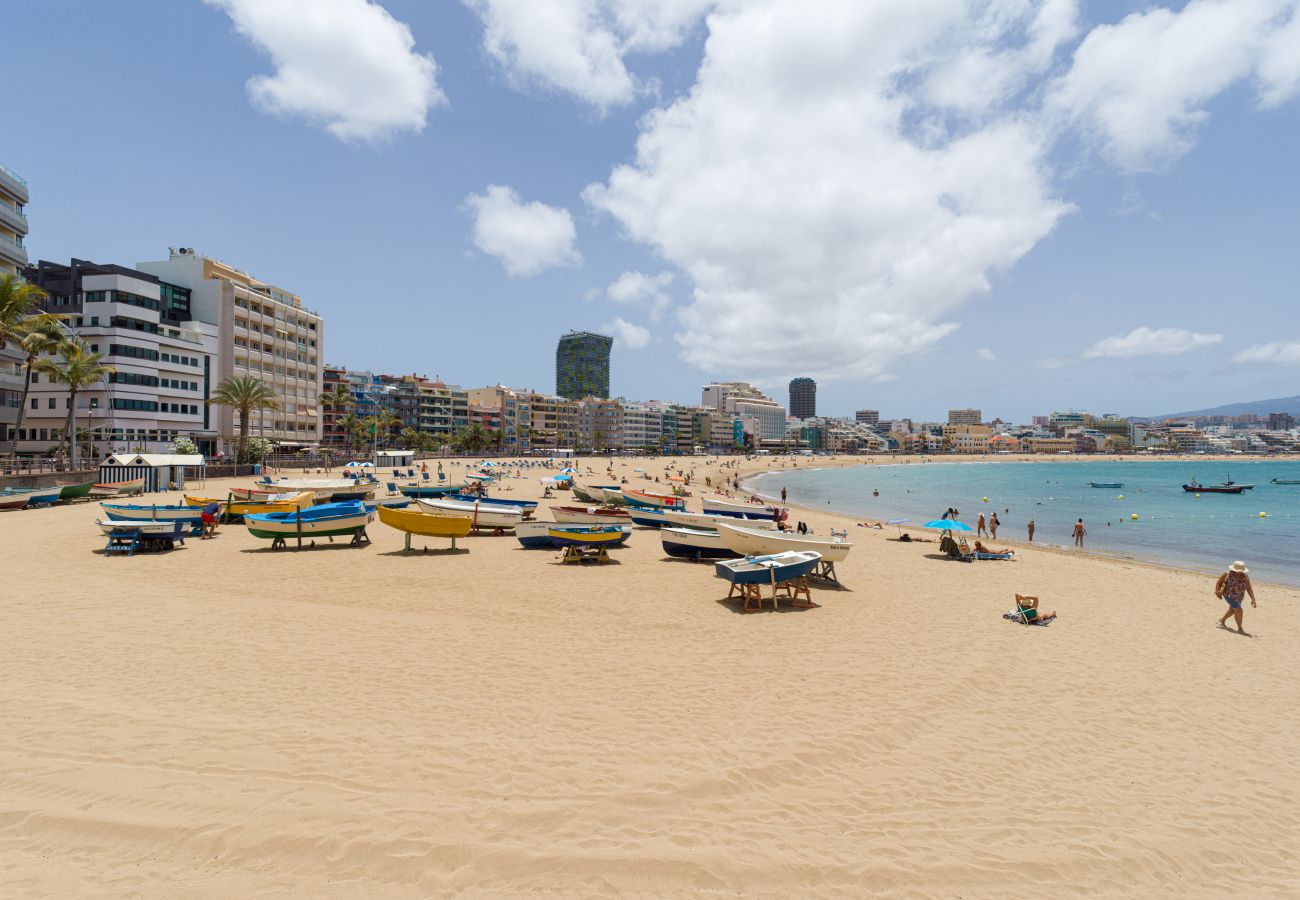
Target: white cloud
(1144,341)
(579,46)
(640,289)
(1140,87)
(634,337)
(345,65)
(526,237)
(820,232)
(1276,353)
(987,355)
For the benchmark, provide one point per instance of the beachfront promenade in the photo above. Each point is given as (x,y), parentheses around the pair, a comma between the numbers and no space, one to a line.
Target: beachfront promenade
(224,720)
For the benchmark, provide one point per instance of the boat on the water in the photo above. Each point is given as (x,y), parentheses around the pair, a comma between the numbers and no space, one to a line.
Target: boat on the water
(1106,484)
(772,569)
(1225,488)
(1285,481)
(562,535)
(413,521)
(694,543)
(346,519)
(590,515)
(138,512)
(739,509)
(483,516)
(754,541)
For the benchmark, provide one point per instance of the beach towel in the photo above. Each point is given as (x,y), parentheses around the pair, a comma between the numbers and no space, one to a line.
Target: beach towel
(1017,616)
(995,556)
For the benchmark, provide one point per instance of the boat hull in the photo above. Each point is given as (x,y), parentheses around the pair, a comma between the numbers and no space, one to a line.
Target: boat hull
(482,516)
(1112,485)
(1213,489)
(425,524)
(255,507)
(108,526)
(526,505)
(75,491)
(694,543)
(533,535)
(736,510)
(592,515)
(767,569)
(654,501)
(165,513)
(588,535)
(755,542)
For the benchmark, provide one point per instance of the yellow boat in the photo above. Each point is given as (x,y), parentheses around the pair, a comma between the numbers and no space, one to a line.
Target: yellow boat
(414,522)
(272,504)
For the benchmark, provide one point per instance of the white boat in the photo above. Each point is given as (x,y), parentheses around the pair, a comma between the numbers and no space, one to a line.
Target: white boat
(483,515)
(692,520)
(590,515)
(758,542)
(613,495)
(768,569)
(108,526)
(324,488)
(738,509)
(694,543)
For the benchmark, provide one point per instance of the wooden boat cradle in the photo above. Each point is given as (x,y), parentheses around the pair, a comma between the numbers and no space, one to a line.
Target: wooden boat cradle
(796,591)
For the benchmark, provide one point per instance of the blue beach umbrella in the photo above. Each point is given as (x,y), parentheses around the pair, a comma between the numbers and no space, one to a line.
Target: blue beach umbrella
(948,525)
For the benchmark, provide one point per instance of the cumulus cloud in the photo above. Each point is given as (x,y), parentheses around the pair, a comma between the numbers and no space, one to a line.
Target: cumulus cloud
(527,238)
(1277,354)
(987,355)
(640,289)
(580,46)
(344,65)
(627,334)
(1144,341)
(1140,87)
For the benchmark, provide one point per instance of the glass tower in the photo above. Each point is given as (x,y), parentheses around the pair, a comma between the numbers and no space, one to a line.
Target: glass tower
(803,398)
(582,365)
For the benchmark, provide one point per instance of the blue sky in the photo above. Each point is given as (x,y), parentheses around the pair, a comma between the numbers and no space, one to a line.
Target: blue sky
(922,206)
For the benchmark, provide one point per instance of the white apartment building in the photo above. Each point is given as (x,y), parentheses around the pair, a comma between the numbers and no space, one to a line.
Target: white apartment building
(163,362)
(642,426)
(264,332)
(766,416)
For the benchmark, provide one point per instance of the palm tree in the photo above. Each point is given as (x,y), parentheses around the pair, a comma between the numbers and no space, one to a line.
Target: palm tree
(381,425)
(353,426)
(243,393)
(336,398)
(43,337)
(19,302)
(473,439)
(77,367)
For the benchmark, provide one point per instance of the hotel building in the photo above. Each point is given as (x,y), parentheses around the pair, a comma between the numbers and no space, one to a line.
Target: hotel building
(164,361)
(264,332)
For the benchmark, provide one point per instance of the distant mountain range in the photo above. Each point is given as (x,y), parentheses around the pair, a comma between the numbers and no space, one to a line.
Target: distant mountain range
(1254,407)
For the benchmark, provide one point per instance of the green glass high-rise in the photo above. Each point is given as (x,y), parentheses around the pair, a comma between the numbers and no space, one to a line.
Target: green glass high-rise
(582,365)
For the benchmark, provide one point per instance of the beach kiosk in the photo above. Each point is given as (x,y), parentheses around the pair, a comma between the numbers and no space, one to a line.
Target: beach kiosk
(160,471)
(394,459)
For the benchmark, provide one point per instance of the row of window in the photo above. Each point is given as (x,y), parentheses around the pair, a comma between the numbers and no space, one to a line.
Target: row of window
(181,360)
(99,434)
(120,297)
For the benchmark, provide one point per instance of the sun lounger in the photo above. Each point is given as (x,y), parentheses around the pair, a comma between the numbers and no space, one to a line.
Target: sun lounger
(1010,554)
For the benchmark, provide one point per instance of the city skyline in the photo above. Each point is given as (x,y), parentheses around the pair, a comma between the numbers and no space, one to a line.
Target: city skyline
(514,194)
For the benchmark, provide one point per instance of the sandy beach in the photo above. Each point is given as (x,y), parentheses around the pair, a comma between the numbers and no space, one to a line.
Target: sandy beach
(228,721)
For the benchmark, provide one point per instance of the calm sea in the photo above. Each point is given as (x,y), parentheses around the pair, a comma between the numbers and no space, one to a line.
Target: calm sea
(1172,527)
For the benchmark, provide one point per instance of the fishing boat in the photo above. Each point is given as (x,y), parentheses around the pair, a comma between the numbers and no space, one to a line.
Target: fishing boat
(706,521)
(590,515)
(418,490)
(533,535)
(416,522)
(484,516)
(1114,485)
(526,505)
(588,535)
(273,504)
(738,509)
(328,520)
(13,498)
(161,527)
(43,497)
(134,512)
(119,488)
(69,491)
(652,499)
(588,496)
(1285,481)
(755,541)
(1195,488)
(774,569)
(694,543)
(609,494)
(325,489)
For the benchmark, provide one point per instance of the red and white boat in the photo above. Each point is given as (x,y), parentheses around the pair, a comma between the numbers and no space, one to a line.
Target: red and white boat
(591,515)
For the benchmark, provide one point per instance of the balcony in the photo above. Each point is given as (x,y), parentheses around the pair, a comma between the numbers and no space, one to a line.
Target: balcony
(11,217)
(12,252)
(11,182)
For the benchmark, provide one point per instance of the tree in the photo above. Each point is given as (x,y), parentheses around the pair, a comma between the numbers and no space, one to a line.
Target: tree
(42,338)
(19,305)
(472,439)
(385,422)
(77,367)
(183,446)
(353,430)
(243,393)
(338,397)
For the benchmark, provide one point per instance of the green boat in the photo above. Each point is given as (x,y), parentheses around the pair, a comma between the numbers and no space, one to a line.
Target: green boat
(74,491)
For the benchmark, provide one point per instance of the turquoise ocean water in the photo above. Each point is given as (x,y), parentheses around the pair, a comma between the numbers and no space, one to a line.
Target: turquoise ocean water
(1172,527)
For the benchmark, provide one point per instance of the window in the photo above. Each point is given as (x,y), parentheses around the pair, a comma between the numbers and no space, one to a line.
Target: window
(132,351)
(35,403)
(94,320)
(96,296)
(133,378)
(52,400)
(137,405)
(133,324)
(36,377)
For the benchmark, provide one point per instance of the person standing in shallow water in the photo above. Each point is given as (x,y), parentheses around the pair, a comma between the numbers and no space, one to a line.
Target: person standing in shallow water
(1232,588)
(782,495)
(1079,532)
(980,528)
(993,525)
(1031,531)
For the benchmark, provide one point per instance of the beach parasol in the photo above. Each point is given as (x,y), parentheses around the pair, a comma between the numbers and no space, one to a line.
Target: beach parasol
(900,523)
(948,525)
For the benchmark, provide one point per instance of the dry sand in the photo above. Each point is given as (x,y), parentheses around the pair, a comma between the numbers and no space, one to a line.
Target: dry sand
(225,721)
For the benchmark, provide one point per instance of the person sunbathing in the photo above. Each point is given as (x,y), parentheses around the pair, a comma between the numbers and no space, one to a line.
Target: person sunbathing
(980,548)
(1029,608)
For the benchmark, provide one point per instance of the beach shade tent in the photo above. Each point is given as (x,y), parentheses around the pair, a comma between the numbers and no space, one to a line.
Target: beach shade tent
(160,471)
(948,525)
(394,459)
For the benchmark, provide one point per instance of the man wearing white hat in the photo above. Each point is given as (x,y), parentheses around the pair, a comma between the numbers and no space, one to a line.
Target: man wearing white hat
(1233,586)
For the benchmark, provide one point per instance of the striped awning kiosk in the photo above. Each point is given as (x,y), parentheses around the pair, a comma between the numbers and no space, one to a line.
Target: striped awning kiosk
(160,471)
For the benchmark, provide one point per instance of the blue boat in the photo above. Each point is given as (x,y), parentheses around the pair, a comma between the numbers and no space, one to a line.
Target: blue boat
(348,518)
(158,513)
(416,491)
(774,569)
(563,535)
(44,497)
(647,516)
(528,505)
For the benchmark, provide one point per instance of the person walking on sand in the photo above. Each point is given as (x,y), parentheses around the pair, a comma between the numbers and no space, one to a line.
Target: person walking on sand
(1031,531)
(1232,587)
(993,525)
(1079,532)
(980,527)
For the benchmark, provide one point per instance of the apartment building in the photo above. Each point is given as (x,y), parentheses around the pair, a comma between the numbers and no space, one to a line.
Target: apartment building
(965,416)
(13,222)
(433,407)
(164,361)
(264,332)
(765,417)
(600,424)
(529,420)
(867,417)
(582,365)
(643,426)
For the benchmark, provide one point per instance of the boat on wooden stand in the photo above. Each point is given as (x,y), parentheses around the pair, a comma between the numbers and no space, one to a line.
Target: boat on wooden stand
(328,520)
(694,543)
(413,521)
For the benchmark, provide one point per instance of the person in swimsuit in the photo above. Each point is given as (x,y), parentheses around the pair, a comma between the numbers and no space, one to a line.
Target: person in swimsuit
(1232,587)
